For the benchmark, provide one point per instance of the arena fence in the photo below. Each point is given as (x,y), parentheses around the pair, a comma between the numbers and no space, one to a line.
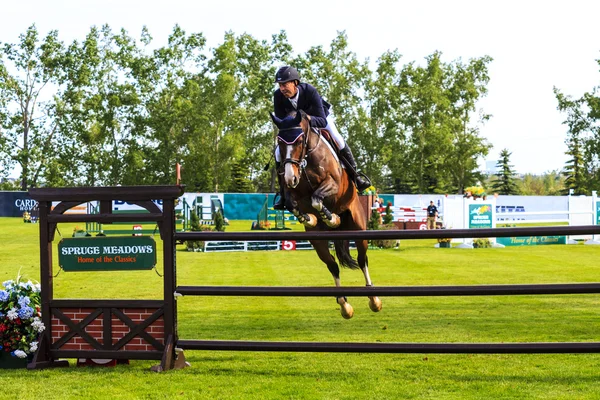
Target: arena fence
(147,329)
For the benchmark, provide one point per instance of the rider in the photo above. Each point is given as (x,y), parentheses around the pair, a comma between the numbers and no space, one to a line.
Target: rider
(293,96)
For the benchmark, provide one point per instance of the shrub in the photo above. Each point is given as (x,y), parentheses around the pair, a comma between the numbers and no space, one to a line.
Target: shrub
(388,218)
(386,243)
(219,222)
(482,243)
(373,223)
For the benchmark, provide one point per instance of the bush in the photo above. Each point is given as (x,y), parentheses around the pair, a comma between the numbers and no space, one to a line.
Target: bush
(386,243)
(482,243)
(388,218)
(373,223)
(219,222)
(195,245)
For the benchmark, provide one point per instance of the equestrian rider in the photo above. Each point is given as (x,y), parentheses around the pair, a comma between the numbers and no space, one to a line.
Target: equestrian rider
(293,96)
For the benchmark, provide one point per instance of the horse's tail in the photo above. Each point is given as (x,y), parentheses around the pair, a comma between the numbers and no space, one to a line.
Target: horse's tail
(342,251)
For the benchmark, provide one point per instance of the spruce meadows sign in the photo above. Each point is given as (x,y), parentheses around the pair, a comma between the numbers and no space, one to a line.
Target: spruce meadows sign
(107,253)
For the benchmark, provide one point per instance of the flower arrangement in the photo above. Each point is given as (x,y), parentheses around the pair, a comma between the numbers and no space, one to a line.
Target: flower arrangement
(444,240)
(20,322)
(475,192)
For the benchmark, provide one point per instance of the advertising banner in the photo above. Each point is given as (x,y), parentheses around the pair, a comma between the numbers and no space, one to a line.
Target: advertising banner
(480,216)
(115,253)
(14,204)
(531,240)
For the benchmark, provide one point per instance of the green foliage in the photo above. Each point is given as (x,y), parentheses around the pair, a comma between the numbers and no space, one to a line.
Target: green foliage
(388,217)
(505,179)
(219,222)
(386,243)
(550,184)
(195,245)
(373,223)
(481,243)
(122,114)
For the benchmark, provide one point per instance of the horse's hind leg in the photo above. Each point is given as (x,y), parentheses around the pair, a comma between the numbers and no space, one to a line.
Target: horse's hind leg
(322,249)
(363,261)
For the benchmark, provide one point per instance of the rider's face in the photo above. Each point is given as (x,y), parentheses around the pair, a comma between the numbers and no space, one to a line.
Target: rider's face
(288,89)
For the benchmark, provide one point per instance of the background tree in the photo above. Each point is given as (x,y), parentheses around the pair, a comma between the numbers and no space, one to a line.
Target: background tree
(29,71)
(505,177)
(119,112)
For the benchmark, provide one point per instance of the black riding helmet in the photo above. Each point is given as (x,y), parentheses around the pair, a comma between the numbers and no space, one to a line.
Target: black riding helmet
(286,74)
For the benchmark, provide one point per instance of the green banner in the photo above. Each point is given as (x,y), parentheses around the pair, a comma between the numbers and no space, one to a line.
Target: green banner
(115,253)
(480,216)
(598,213)
(531,240)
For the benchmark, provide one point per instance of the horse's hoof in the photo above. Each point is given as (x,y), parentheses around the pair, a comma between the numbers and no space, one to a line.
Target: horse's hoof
(375,304)
(346,310)
(311,222)
(334,222)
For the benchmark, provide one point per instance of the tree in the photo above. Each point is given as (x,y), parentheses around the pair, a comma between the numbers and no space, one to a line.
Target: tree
(29,70)
(576,168)
(505,177)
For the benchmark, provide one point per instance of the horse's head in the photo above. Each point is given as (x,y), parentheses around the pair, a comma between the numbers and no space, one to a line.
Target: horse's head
(292,137)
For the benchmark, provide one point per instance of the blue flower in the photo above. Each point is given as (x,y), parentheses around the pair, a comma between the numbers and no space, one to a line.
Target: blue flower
(3,295)
(25,312)
(24,301)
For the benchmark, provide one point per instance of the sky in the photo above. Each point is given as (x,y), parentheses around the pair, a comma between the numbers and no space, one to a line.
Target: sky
(535,46)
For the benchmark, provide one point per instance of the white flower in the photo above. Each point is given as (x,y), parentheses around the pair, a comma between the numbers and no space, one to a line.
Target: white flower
(38,325)
(20,353)
(8,284)
(36,288)
(33,346)
(12,314)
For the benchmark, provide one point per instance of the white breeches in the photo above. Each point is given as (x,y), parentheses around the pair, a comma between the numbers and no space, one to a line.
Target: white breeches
(335,135)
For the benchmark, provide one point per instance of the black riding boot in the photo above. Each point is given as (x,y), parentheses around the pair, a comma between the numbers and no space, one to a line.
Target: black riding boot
(361,181)
(279,200)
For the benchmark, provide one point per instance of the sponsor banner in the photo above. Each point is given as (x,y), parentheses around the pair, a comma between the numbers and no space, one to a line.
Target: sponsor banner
(115,253)
(480,216)
(14,204)
(531,240)
(598,213)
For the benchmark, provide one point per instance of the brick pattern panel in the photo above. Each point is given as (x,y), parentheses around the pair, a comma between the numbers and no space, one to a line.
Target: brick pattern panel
(119,329)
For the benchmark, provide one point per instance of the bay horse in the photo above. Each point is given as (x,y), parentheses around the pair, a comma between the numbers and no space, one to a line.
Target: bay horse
(322,197)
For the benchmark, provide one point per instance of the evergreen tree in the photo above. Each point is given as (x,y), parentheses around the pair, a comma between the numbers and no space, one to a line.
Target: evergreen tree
(240,181)
(388,218)
(373,223)
(575,168)
(505,177)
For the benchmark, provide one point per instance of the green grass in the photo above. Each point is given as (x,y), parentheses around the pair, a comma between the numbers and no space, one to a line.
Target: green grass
(253,375)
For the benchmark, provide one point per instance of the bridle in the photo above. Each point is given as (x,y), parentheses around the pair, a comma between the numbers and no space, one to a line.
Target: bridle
(302,161)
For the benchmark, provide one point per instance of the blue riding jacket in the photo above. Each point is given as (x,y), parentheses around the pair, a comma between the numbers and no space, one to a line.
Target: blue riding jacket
(309,101)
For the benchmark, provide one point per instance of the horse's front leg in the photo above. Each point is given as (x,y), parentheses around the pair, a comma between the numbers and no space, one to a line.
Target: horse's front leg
(328,188)
(306,219)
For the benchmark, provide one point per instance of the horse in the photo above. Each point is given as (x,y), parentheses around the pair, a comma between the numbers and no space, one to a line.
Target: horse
(322,197)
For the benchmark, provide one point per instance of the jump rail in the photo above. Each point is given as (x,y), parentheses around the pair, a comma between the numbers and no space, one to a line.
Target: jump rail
(393,234)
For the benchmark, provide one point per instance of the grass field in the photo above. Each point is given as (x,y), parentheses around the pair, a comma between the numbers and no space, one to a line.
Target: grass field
(253,375)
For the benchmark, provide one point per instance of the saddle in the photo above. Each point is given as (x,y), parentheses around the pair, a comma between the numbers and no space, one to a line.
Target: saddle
(325,134)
